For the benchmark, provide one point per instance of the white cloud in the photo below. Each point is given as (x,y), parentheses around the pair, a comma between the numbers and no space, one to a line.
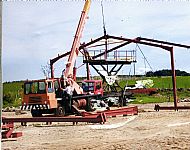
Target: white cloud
(34,32)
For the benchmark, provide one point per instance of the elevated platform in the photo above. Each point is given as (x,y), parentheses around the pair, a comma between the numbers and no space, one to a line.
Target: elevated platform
(106,62)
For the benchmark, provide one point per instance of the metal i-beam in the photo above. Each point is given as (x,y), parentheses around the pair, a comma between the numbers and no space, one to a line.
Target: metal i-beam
(113,68)
(154,43)
(99,118)
(104,68)
(7,131)
(168,48)
(173,78)
(137,40)
(99,73)
(111,113)
(52,61)
(164,42)
(158,107)
(118,69)
(91,42)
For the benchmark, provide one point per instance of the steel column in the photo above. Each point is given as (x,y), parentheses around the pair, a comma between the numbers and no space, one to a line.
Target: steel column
(173,78)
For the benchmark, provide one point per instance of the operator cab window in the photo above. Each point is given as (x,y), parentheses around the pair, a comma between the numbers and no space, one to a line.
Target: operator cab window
(50,87)
(91,86)
(34,87)
(27,88)
(56,85)
(85,86)
(42,87)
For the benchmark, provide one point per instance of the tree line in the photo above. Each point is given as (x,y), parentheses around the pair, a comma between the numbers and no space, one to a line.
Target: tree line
(166,72)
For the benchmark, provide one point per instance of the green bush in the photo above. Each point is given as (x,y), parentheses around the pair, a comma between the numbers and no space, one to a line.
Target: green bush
(12,93)
(8,99)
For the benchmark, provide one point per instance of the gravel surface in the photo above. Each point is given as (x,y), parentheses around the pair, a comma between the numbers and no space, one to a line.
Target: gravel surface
(148,130)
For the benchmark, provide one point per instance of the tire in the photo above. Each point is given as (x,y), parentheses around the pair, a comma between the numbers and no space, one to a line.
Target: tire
(36,113)
(59,111)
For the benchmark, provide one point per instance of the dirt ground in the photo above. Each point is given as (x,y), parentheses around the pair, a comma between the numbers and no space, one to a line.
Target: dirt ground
(148,130)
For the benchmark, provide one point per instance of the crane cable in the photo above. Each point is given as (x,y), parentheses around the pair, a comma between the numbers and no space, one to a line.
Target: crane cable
(104,30)
(103,18)
(144,57)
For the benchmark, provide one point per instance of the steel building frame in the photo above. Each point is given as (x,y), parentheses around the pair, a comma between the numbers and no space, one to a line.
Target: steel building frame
(168,46)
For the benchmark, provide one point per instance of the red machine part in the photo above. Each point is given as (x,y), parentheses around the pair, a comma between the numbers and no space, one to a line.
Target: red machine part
(81,103)
(158,107)
(99,118)
(113,113)
(7,130)
(143,91)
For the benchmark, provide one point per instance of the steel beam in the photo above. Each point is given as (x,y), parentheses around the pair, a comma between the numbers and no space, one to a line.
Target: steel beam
(164,42)
(173,78)
(52,61)
(158,107)
(7,131)
(137,40)
(149,42)
(113,113)
(105,62)
(99,118)
(91,42)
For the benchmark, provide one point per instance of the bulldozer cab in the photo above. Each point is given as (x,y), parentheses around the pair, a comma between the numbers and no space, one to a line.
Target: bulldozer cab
(92,86)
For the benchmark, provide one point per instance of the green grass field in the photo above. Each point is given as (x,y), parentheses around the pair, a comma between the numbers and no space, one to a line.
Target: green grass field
(144,99)
(12,91)
(160,82)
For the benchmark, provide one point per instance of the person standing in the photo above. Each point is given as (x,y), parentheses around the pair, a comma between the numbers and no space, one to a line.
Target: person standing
(68,92)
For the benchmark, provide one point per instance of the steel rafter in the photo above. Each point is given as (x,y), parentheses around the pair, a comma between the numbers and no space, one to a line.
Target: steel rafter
(149,42)
(52,61)
(164,42)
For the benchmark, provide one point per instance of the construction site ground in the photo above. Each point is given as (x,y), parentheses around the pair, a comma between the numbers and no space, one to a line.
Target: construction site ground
(148,130)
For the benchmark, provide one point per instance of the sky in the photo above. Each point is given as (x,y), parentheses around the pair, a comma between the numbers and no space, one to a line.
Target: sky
(36,31)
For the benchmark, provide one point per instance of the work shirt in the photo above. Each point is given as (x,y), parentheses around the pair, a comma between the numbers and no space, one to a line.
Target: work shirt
(69,90)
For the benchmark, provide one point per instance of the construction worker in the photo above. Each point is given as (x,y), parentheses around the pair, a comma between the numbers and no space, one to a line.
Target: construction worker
(68,92)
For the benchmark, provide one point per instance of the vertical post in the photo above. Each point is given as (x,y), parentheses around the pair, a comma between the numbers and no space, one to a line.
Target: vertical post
(125,56)
(88,107)
(173,77)
(88,71)
(1,83)
(52,70)
(87,57)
